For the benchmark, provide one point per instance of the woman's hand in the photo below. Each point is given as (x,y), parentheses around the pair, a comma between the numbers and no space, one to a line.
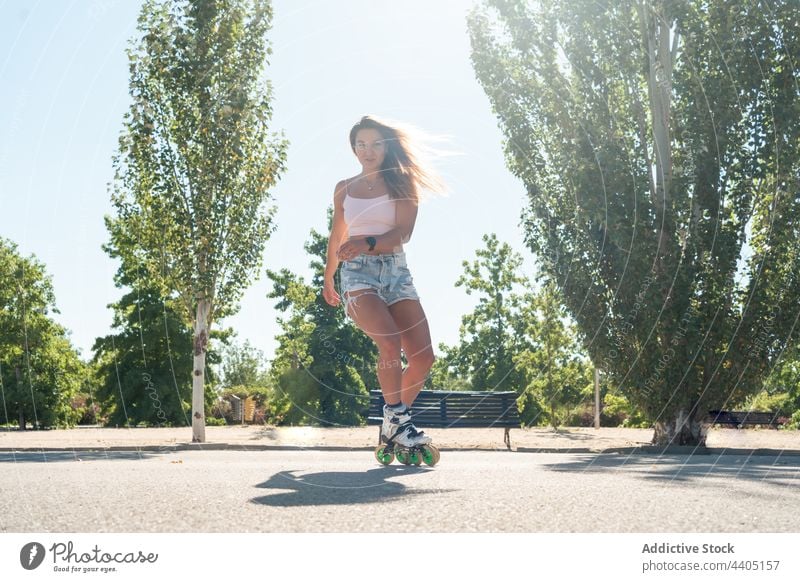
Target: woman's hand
(329,293)
(352,248)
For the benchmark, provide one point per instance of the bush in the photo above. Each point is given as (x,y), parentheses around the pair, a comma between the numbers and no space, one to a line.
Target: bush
(260,416)
(263,396)
(582,417)
(87,410)
(794,421)
(765,402)
(609,417)
(530,410)
(618,411)
(636,422)
(221,410)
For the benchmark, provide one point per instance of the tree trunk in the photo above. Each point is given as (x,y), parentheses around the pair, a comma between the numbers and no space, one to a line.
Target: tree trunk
(198,377)
(21,411)
(681,430)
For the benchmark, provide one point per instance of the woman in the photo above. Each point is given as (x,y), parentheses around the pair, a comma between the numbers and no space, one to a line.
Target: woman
(374,214)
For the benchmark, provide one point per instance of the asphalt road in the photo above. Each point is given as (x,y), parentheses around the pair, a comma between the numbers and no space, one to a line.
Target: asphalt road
(334,491)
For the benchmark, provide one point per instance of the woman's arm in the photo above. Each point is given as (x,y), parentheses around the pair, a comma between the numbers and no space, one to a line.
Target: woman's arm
(406,217)
(338,231)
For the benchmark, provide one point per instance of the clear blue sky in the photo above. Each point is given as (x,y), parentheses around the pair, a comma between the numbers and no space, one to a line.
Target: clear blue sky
(64,79)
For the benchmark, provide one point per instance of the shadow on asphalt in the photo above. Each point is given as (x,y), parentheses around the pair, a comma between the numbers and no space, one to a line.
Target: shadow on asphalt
(72,456)
(779,470)
(340,488)
(564,434)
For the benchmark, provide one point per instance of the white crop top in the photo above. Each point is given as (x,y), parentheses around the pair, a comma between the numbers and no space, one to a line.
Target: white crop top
(369,215)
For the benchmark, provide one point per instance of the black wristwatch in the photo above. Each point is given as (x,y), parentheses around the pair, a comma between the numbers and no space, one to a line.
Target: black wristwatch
(371,242)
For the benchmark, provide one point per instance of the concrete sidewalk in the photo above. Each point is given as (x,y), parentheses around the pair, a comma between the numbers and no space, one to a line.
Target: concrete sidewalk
(567,440)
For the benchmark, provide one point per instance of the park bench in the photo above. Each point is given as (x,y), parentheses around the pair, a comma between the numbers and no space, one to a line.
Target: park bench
(742,418)
(443,409)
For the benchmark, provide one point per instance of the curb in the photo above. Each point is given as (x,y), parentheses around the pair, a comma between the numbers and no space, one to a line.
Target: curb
(640,450)
(180,447)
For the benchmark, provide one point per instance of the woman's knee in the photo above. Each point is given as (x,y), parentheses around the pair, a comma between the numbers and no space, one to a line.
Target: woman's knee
(423,358)
(388,344)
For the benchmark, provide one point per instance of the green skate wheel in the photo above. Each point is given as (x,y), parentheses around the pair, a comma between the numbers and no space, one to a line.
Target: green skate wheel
(415,458)
(404,456)
(384,457)
(430,455)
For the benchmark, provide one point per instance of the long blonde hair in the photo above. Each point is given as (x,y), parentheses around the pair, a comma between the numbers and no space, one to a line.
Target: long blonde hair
(402,169)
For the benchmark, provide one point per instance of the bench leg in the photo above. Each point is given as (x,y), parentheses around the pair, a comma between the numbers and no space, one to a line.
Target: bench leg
(507,438)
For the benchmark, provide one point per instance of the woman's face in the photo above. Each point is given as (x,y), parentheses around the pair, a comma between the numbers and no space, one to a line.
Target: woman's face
(370,148)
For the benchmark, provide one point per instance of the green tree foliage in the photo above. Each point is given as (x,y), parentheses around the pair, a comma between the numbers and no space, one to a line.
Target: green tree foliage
(492,334)
(655,139)
(324,365)
(785,379)
(86,403)
(515,339)
(618,411)
(243,376)
(243,365)
(145,366)
(559,374)
(196,161)
(40,371)
(781,391)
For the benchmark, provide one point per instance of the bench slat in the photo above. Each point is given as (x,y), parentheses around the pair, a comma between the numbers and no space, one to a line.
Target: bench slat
(438,408)
(740,418)
(458,423)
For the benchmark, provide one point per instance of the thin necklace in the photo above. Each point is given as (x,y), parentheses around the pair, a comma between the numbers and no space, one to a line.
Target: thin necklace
(373,184)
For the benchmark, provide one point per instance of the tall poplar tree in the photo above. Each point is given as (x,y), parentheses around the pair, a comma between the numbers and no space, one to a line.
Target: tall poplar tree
(658,144)
(197,161)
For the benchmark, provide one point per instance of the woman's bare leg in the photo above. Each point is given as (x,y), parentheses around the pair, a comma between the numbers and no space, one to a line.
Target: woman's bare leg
(415,338)
(370,314)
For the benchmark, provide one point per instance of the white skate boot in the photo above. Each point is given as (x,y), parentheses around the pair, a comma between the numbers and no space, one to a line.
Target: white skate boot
(403,432)
(397,427)
(400,437)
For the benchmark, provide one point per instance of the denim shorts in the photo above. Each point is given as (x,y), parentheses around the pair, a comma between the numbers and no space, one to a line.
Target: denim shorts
(386,274)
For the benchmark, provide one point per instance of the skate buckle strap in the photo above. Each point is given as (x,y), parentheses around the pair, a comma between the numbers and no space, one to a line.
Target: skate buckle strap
(412,430)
